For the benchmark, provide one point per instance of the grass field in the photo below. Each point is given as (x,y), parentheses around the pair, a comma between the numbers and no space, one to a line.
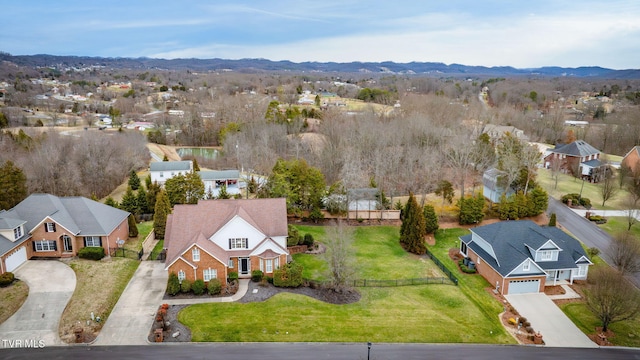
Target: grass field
(627,332)
(99,285)
(568,184)
(428,313)
(616,225)
(11,299)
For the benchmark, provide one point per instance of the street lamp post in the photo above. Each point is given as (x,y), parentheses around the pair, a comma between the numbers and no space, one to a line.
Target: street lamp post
(368,351)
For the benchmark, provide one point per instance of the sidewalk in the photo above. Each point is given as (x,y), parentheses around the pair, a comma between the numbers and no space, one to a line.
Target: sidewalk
(568,294)
(605,213)
(242,289)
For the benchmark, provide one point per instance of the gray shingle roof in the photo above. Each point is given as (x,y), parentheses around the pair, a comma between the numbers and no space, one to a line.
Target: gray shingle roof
(78,215)
(577,148)
(219,174)
(171,165)
(509,240)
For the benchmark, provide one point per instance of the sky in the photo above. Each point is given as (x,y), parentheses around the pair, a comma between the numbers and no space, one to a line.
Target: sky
(522,34)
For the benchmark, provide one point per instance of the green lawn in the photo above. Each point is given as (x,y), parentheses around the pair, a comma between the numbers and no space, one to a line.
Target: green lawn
(135,244)
(616,225)
(627,332)
(433,313)
(568,184)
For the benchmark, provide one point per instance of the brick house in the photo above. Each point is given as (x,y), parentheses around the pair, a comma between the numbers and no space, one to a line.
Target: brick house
(632,160)
(522,257)
(577,158)
(47,226)
(215,237)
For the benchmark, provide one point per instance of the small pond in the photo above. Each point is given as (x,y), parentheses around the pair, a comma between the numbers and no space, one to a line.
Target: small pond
(207,153)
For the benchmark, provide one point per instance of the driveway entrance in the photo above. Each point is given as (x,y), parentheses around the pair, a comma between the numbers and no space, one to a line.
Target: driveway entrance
(51,284)
(543,314)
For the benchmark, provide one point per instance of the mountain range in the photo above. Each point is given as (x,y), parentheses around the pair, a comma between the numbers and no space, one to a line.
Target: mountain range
(434,69)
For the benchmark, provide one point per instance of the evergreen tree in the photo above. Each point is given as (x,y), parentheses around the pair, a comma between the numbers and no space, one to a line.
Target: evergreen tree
(134,180)
(194,188)
(413,228)
(431,219)
(175,190)
(538,201)
(165,158)
(141,201)
(152,193)
(196,167)
(13,185)
(471,210)
(129,202)
(162,210)
(147,181)
(133,226)
(111,202)
(552,220)
(223,194)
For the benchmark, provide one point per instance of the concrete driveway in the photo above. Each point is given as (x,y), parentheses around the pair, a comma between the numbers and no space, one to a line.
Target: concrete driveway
(543,314)
(51,284)
(130,320)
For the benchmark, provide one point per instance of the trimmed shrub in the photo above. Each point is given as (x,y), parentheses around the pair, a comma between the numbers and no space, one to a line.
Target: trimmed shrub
(269,279)
(256,275)
(185,287)
(576,200)
(198,287)
(512,321)
(173,284)
(233,276)
(593,251)
(91,253)
(214,287)
(308,240)
(6,279)
(289,275)
(552,220)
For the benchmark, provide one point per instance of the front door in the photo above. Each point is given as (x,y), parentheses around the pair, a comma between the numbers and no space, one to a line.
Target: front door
(245,267)
(67,243)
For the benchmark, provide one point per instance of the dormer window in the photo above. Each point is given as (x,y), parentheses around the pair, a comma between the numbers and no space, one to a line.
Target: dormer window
(546,255)
(17,232)
(50,227)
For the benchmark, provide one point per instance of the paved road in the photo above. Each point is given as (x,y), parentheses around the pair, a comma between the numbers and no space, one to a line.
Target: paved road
(315,351)
(547,318)
(585,230)
(51,284)
(131,318)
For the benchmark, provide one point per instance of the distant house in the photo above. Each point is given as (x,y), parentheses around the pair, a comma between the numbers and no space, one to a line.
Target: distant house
(522,257)
(214,180)
(496,132)
(492,188)
(577,158)
(213,238)
(161,171)
(632,160)
(48,226)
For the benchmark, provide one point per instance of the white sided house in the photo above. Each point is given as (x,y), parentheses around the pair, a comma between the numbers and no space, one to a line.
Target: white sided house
(216,237)
(161,171)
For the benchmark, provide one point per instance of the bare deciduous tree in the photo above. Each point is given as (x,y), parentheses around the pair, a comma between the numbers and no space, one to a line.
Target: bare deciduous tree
(340,254)
(611,297)
(624,252)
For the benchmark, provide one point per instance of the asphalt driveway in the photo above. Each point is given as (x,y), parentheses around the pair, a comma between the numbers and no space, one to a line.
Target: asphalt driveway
(51,284)
(130,320)
(556,328)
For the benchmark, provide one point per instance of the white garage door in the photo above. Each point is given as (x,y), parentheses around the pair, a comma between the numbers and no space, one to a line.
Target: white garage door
(523,286)
(16,259)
